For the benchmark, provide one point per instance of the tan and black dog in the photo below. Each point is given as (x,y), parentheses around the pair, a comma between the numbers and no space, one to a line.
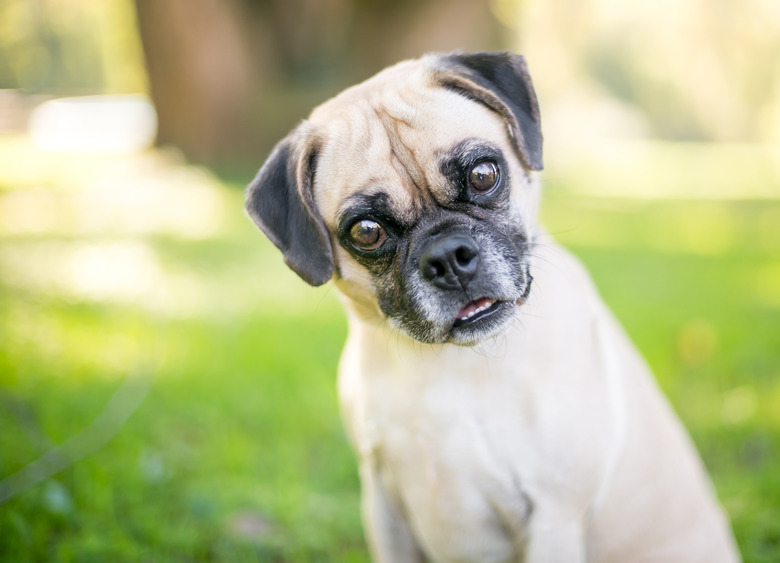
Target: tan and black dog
(497,410)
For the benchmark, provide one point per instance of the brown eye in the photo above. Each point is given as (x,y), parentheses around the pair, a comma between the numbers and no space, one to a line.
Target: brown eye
(367,235)
(483,177)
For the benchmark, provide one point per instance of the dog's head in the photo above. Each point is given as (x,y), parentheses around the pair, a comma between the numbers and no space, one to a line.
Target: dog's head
(416,192)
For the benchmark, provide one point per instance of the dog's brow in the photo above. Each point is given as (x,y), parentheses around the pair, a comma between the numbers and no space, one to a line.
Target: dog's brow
(377,204)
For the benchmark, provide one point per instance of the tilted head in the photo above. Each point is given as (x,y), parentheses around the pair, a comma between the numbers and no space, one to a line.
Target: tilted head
(416,192)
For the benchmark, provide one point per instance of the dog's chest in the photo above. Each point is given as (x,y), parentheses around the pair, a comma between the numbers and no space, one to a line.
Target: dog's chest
(440,440)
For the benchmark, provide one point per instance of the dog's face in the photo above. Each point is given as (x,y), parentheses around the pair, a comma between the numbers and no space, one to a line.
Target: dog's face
(415,192)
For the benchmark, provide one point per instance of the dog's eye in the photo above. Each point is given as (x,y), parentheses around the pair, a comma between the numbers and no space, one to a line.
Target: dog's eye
(483,177)
(367,234)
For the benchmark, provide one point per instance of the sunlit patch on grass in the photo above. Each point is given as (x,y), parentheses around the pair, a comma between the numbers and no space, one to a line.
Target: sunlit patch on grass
(27,167)
(74,345)
(132,272)
(739,405)
(146,198)
(120,270)
(125,272)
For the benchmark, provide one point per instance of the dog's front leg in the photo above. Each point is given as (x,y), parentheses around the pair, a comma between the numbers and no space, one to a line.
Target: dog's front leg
(555,538)
(389,537)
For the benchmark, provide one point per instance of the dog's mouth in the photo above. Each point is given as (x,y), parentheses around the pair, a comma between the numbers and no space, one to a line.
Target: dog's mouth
(480,319)
(477,310)
(484,317)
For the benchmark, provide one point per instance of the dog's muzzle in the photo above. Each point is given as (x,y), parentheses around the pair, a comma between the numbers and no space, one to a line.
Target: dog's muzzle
(453,266)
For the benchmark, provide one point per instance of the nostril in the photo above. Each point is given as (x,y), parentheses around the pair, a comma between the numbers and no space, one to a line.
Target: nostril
(433,269)
(464,255)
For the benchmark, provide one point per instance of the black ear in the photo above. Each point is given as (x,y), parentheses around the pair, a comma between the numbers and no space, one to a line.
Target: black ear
(280,201)
(500,81)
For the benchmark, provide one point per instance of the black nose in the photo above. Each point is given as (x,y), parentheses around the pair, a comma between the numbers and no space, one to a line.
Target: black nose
(450,262)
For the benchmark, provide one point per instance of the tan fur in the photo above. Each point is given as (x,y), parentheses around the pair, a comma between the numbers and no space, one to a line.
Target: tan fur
(548,443)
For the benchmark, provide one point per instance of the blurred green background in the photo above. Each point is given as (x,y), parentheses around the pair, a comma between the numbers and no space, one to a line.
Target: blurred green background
(155,403)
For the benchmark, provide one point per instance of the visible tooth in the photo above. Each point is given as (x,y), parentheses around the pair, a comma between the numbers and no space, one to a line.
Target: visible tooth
(484,307)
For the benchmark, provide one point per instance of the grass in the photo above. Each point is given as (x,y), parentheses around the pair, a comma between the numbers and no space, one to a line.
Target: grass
(233,449)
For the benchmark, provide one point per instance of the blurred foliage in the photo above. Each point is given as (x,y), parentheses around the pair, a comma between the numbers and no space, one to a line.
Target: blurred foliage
(696,70)
(237,452)
(70,46)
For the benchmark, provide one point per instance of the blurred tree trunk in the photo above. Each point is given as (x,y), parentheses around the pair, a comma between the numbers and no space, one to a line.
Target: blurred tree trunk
(230,77)
(199,71)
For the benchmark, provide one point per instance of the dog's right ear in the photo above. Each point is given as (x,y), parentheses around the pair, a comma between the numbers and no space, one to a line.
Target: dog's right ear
(280,201)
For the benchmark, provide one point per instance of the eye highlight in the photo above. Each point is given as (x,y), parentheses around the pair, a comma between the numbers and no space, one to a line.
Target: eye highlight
(483,177)
(367,235)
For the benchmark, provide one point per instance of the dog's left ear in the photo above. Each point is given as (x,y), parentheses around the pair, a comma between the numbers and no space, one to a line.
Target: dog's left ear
(500,81)
(280,201)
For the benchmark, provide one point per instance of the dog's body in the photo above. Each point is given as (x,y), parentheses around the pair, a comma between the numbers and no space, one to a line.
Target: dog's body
(492,421)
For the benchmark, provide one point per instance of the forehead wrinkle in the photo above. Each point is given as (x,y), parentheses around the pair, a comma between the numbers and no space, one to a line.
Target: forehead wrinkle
(416,114)
(378,144)
(403,156)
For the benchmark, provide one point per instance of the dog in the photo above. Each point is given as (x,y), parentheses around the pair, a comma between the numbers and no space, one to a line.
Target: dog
(496,408)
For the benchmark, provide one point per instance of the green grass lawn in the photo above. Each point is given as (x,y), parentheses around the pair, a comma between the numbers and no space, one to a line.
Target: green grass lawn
(176,314)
